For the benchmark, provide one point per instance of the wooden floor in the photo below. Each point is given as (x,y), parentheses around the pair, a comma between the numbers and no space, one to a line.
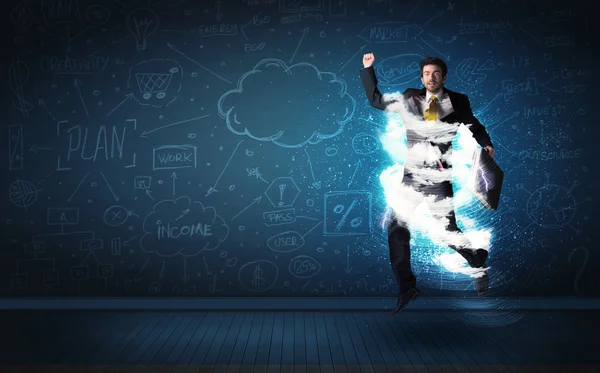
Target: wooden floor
(235,341)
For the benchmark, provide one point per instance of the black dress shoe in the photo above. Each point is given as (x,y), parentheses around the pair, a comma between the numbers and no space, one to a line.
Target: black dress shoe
(475,258)
(482,284)
(404,298)
(479,258)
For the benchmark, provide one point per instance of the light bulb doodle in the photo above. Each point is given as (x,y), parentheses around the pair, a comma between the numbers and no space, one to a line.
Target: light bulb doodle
(142,23)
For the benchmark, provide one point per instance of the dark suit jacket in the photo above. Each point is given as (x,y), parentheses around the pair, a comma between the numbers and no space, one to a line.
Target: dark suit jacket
(460,102)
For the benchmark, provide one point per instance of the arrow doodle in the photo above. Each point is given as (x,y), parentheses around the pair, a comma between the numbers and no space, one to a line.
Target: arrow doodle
(348,268)
(42,103)
(208,271)
(219,11)
(197,63)
(304,32)
(174,177)
(315,183)
(360,51)
(145,133)
(242,30)
(311,229)
(127,97)
(34,149)
(357,165)
(78,186)
(256,200)
(213,188)
(185,277)
(77,84)
(161,274)
(183,213)
(128,242)
(138,277)
(109,187)
(430,46)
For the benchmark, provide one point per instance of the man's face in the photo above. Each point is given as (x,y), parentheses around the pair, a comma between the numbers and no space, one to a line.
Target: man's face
(432,78)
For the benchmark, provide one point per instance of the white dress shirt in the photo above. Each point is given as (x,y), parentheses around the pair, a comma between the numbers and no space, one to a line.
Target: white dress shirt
(443,102)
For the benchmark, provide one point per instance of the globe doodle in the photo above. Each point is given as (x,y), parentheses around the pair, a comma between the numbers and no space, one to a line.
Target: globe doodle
(551,206)
(22,193)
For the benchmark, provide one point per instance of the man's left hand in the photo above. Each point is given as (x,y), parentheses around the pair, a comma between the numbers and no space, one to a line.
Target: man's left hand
(490,150)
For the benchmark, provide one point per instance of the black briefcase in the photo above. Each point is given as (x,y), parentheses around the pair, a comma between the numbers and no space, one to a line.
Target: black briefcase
(485,180)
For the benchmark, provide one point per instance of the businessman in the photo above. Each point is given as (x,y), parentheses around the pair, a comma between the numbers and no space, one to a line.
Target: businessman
(431,116)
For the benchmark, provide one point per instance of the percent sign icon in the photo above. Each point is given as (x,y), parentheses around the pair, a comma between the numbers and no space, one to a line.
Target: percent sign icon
(354,223)
(347,213)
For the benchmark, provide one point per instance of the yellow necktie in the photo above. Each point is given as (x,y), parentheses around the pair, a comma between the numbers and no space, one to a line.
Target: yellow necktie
(432,112)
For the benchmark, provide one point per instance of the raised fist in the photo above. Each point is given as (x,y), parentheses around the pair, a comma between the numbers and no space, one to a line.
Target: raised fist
(368,60)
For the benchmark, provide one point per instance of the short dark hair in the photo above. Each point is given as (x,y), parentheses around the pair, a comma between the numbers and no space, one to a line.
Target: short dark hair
(434,61)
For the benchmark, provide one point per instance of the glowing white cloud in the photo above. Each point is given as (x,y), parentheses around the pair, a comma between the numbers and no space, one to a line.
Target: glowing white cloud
(407,203)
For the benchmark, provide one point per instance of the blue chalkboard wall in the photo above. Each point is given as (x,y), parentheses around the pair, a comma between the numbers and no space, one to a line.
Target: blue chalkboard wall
(226,148)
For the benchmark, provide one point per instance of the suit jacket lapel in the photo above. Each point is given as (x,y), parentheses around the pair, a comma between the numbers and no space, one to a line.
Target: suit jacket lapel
(448,106)
(415,102)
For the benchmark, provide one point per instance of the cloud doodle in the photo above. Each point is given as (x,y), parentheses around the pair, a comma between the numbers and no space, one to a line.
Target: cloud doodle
(182,227)
(290,106)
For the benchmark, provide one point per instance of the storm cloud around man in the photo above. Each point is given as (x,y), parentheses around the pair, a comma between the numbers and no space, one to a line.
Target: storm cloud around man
(406,201)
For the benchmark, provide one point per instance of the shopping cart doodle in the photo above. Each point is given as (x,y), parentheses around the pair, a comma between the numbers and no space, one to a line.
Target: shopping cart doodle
(155,82)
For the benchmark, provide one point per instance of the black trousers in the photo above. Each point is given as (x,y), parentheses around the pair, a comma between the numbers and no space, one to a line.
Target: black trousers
(399,237)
